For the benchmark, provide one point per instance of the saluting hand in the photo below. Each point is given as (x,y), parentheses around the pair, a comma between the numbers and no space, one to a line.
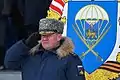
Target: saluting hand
(33,39)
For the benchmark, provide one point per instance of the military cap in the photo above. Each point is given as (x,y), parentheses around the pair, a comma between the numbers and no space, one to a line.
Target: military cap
(47,25)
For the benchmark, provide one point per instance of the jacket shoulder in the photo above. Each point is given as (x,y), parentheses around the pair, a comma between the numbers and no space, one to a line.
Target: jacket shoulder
(73,58)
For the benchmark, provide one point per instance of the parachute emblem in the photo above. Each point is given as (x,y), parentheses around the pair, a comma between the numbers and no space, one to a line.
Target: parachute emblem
(91,25)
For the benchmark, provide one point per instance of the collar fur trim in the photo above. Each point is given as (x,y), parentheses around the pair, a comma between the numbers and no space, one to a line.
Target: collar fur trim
(66,47)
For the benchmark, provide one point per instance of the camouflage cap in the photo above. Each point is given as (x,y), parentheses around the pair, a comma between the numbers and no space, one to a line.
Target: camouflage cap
(50,25)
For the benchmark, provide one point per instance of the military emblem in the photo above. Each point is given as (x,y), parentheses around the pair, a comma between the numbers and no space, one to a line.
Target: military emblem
(92,28)
(80,70)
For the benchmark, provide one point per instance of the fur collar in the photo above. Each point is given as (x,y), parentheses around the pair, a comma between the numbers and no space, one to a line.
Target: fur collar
(66,47)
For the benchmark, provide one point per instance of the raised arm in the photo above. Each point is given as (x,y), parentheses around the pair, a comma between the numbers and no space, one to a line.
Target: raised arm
(19,52)
(16,55)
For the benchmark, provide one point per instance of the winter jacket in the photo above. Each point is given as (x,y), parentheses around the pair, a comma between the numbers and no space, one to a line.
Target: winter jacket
(56,64)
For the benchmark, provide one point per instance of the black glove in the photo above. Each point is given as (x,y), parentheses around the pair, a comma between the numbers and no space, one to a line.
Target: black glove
(32,40)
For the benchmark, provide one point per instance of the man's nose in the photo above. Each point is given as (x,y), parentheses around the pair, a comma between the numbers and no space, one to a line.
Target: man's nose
(45,38)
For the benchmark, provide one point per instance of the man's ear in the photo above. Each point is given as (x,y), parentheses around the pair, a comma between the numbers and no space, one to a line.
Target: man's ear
(59,37)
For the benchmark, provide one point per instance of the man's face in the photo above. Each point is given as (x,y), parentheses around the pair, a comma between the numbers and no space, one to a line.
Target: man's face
(51,40)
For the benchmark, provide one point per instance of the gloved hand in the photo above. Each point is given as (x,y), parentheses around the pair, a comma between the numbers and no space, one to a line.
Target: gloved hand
(33,39)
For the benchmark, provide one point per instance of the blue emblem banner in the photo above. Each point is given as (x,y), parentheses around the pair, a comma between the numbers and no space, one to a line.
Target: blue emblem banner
(92,25)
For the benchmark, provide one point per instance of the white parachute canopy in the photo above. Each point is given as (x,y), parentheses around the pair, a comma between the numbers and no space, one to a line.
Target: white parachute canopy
(92,14)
